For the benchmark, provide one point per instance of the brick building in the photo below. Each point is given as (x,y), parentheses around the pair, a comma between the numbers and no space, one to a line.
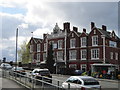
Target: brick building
(77,49)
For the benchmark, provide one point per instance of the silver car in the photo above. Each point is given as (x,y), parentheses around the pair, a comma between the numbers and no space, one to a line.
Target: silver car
(6,66)
(82,83)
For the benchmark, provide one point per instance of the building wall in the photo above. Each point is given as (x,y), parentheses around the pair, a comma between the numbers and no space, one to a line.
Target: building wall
(77,63)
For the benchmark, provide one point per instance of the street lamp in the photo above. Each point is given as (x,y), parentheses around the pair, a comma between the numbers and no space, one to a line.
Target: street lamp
(16,47)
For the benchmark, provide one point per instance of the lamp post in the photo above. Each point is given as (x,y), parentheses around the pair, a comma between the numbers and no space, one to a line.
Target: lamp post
(16,47)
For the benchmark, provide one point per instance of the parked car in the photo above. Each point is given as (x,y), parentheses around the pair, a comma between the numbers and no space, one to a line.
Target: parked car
(6,66)
(17,71)
(82,83)
(78,72)
(39,73)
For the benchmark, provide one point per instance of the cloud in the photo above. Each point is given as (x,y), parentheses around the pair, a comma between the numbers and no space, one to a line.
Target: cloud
(40,17)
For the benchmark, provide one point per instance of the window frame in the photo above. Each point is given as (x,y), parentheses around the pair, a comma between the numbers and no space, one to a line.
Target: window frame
(95,40)
(95,53)
(38,47)
(60,43)
(83,41)
(85,53)
(72,53)
(72,43)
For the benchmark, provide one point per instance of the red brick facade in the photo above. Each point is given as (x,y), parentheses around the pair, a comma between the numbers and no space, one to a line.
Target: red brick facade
(78,49)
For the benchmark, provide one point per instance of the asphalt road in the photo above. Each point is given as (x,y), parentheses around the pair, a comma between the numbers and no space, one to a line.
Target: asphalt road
(106,84)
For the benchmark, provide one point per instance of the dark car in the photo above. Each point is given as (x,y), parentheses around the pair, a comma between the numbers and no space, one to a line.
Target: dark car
(17,71)
(41,74)
(78,72)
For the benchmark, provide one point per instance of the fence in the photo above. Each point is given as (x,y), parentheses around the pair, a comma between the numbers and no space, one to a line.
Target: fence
(33,83)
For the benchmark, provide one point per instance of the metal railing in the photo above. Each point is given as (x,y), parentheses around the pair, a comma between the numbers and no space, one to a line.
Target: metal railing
(32,83)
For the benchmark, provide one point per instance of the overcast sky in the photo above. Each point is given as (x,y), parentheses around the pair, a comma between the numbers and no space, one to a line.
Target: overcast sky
(40,17)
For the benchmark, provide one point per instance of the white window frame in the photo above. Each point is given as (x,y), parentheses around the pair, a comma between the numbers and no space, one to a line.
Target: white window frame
(84,66)
(38,47)
(38,56)
(111,55)
(95,53)
(72,43)
(116,56)
(60,43)
(45,47)
(112,44)
(94,31)
(73,66)
(44,56)
(95,40)
(83,54)
(60,55)
(31,48)
(83,42)
(72,55)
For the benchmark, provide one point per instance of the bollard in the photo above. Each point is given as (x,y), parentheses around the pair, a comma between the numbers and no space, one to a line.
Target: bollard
(58,84)
(68,86)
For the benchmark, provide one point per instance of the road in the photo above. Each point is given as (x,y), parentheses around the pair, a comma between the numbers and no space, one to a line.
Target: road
(111,84)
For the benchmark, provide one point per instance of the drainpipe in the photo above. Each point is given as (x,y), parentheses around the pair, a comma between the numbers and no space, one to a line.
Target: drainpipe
(65,47)
(103,37)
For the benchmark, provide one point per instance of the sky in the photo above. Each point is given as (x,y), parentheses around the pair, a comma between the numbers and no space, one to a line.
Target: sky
(40,16)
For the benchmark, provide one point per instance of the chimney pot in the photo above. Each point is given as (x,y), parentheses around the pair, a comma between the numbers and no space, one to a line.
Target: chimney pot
(92,25)
(44,35)
(84,30)
(104,27)
(75,29)
(66,26)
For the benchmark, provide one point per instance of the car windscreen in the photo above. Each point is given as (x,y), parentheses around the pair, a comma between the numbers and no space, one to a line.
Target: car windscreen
(44,72)
(88,81)
(17,68)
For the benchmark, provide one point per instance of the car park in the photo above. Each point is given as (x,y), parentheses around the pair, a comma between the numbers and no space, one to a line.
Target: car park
(82,83)
(6,66)
(18,71)
(41,74)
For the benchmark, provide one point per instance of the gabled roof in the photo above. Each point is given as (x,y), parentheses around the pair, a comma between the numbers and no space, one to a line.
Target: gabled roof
(108,34)
(35,40)
(77,33)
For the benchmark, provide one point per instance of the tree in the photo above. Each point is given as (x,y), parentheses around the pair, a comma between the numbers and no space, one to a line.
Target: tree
(50,61)
(23,53)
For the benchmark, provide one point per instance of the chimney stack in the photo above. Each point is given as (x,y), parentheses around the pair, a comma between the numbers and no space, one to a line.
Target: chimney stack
(44,35)
(92,25)
(66,26)
(104,27)
(75,29)
(84,30)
